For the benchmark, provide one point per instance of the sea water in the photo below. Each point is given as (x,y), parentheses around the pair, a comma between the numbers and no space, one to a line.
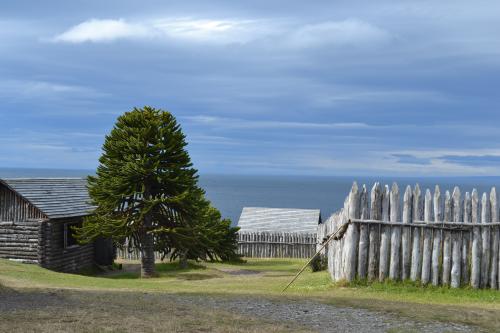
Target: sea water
(230,193)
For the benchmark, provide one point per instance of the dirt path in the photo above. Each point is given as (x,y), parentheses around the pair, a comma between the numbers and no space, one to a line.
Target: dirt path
(321,317)
(301,315)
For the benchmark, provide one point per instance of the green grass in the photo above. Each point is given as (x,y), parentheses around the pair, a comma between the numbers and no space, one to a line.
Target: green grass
(411,300)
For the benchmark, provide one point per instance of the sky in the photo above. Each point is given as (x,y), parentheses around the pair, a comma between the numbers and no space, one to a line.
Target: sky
(390,88)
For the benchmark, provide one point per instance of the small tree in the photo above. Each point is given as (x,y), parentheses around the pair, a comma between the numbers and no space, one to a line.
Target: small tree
(145,190)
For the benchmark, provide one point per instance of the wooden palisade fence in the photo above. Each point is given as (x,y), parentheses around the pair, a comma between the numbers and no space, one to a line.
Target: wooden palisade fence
(276,245)
(437,239)
(254,245)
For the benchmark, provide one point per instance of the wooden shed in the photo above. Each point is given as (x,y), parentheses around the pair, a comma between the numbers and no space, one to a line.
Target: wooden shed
(262,219)
(36,216)
(278,232)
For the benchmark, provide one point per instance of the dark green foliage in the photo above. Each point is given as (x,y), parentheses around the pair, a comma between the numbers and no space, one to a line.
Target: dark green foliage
(146,191)
(319,263)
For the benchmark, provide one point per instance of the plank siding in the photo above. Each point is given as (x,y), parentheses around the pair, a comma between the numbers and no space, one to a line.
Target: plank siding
(14,208)
(52,253)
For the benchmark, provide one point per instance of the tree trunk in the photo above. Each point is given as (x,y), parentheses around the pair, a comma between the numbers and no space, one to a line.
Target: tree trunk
(147,256)
(147,242)
(183,261)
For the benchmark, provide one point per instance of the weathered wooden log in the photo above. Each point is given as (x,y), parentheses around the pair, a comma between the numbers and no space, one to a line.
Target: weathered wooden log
(364,234)
(18,255)
(341,245)
(447,241)
(375,214)
(475,277)
(385,237)
(394,265)
(485,236)
(456,248)
(436,244)
(466,239)
(494,240)
(352,235)
(427,243)
(417,216)
(406,234)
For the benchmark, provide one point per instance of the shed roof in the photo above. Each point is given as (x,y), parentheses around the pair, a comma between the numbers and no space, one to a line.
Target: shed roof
(261,219)
(55,197)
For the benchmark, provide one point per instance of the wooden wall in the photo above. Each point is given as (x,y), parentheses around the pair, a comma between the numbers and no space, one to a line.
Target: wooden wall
(276,245)
(53,255)
(440,239)
(13,208)
(19,240)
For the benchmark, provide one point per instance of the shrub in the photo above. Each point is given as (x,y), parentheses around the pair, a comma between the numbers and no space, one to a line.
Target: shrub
(319,263)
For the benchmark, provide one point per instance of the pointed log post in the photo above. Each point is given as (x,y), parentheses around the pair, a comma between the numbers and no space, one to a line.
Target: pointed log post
(340,257)
(364,234)
(417,216)
(466,238)
(394,266)
(436,244)
(494,240)
(405,239)
(447,241)
(475,274)
(456,246)
(427,245)
(385,237)
(375,214)
(352,235)
(485,236)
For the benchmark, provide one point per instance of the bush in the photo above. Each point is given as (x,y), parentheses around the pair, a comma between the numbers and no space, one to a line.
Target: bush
(319,263)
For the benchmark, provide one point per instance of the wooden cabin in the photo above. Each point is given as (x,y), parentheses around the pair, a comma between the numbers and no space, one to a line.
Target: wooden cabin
(36,216)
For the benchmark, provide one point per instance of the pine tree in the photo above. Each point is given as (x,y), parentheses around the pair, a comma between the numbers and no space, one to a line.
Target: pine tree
(146,191)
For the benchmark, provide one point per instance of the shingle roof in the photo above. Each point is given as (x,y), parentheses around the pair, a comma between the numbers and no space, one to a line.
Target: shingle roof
(259,219)
(55,197)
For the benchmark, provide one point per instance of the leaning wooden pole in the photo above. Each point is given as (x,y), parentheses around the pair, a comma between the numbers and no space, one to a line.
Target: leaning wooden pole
(338,234)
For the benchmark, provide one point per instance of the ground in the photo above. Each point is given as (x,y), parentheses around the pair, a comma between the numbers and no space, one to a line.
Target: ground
(231,298)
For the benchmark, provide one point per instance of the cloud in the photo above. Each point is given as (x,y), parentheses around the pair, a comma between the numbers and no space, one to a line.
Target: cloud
(472,160)
(26,89)
(195,30)
(448,162)
(267,124)
(410,159)
(95,30)
(213,30)
(38,149)
(226,31)
(350,32)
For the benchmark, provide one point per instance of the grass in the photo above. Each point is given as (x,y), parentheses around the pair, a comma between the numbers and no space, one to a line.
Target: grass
(104,311)
(266,278)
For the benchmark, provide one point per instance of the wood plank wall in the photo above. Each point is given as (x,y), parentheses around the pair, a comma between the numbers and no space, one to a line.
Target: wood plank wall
(53,255)
(13,208)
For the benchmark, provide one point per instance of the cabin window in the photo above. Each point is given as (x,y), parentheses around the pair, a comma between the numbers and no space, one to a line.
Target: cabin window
(69,234)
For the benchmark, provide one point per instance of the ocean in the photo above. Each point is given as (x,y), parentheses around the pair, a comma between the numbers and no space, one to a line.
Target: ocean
(230,193)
